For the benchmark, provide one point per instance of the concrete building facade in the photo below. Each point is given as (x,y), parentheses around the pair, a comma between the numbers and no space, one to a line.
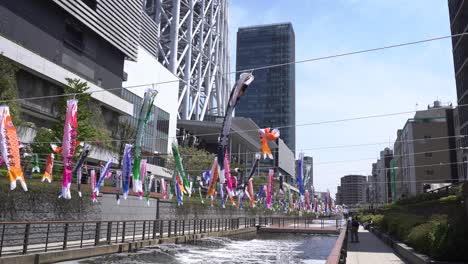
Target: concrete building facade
(353,189)
(426,151)
(101,42)
(270,100)
(383,178)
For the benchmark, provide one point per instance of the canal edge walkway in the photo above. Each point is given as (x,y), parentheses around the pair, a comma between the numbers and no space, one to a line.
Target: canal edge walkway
(370,250)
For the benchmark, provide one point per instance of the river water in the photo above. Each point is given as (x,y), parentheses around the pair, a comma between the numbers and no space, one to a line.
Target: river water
(255,248)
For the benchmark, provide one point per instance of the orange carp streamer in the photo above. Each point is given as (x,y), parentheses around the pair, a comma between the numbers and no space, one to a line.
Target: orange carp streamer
(268,134)
(48,171)
(10,149)
(214,178)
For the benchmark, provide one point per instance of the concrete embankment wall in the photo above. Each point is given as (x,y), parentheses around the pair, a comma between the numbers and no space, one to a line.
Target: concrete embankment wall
(26,207)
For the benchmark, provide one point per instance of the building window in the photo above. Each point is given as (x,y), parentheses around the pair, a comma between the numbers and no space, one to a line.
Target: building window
(430,172)
(428,154)
(91,4)
(74,35)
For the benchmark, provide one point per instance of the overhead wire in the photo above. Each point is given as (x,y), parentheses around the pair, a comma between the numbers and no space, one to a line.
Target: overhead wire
(254,68)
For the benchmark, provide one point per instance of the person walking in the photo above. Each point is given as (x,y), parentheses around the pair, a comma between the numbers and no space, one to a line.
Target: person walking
(354,230)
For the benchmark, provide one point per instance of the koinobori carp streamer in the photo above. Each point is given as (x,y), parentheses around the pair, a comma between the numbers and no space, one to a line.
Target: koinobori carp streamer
(180,168)
(104,173)
(145,113)
(267,134)
(49,166)
(126,169)
(70,133)
(36,167)
(79,165)
(10,149)
(245,79)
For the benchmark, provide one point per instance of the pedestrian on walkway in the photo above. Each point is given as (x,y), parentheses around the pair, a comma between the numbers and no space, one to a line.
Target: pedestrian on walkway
(354,230)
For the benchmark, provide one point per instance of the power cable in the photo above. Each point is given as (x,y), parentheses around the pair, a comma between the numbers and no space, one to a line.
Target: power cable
(257,68)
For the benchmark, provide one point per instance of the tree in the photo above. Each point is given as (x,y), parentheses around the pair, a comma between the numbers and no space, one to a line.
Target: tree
(91,126)
(195,161)
(9,88)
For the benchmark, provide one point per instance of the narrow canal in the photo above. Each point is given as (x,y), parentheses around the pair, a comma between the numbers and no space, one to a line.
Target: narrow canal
(254,248)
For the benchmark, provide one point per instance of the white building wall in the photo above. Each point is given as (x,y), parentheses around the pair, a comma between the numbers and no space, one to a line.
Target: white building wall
(57,73)
(148,70)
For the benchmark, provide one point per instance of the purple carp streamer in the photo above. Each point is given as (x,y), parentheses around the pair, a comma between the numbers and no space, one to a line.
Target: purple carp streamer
(70,132)
(245,79)
(104,173)
(300,177)
(93,185)
(145,113)
(10,149)
(126,169)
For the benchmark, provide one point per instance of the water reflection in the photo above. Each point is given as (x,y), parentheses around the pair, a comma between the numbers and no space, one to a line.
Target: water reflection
(262,248)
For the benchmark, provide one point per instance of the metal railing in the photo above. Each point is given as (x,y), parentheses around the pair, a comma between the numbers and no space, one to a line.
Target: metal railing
(302,222)
(19,238)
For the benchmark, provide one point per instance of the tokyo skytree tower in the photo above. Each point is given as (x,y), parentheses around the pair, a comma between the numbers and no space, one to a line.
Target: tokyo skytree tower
(194,46)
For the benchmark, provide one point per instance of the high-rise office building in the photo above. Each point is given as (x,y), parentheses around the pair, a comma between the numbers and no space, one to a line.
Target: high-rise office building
(353,189)
(270,100)
(459,24)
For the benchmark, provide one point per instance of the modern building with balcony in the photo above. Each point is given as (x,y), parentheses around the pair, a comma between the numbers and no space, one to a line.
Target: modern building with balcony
(105,43)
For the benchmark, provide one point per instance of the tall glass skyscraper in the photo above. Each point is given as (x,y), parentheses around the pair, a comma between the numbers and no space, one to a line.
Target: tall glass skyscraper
(270,100)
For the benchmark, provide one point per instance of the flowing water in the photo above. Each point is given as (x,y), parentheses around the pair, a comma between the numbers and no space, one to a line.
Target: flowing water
(262,248)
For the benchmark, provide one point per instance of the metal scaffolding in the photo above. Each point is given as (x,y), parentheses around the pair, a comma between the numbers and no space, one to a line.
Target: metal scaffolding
(198,31)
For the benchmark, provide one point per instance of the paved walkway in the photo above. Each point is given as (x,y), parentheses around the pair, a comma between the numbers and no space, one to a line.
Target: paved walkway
(370,250)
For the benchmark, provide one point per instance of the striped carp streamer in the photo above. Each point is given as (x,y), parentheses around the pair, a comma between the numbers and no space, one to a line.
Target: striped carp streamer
(118,176)
(148,183)
(300,176)
(267,134)
(269,192)
(307,200)
(163,188)
(36,167)
(70,132)
(79,165)
(227,174)
(250,191)
(144,116)
(10,149)
(214,178)
(126,169)
(245,79)
(104,173)
(93,185)
(142,176)
(48,170)
(180,168)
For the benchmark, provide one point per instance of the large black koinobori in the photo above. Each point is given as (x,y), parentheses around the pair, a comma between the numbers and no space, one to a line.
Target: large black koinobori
(245,79)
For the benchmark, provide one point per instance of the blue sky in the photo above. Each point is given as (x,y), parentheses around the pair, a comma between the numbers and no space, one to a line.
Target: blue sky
(401,79)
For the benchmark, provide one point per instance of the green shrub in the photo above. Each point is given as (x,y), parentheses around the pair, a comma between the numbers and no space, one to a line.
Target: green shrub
(419,238)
